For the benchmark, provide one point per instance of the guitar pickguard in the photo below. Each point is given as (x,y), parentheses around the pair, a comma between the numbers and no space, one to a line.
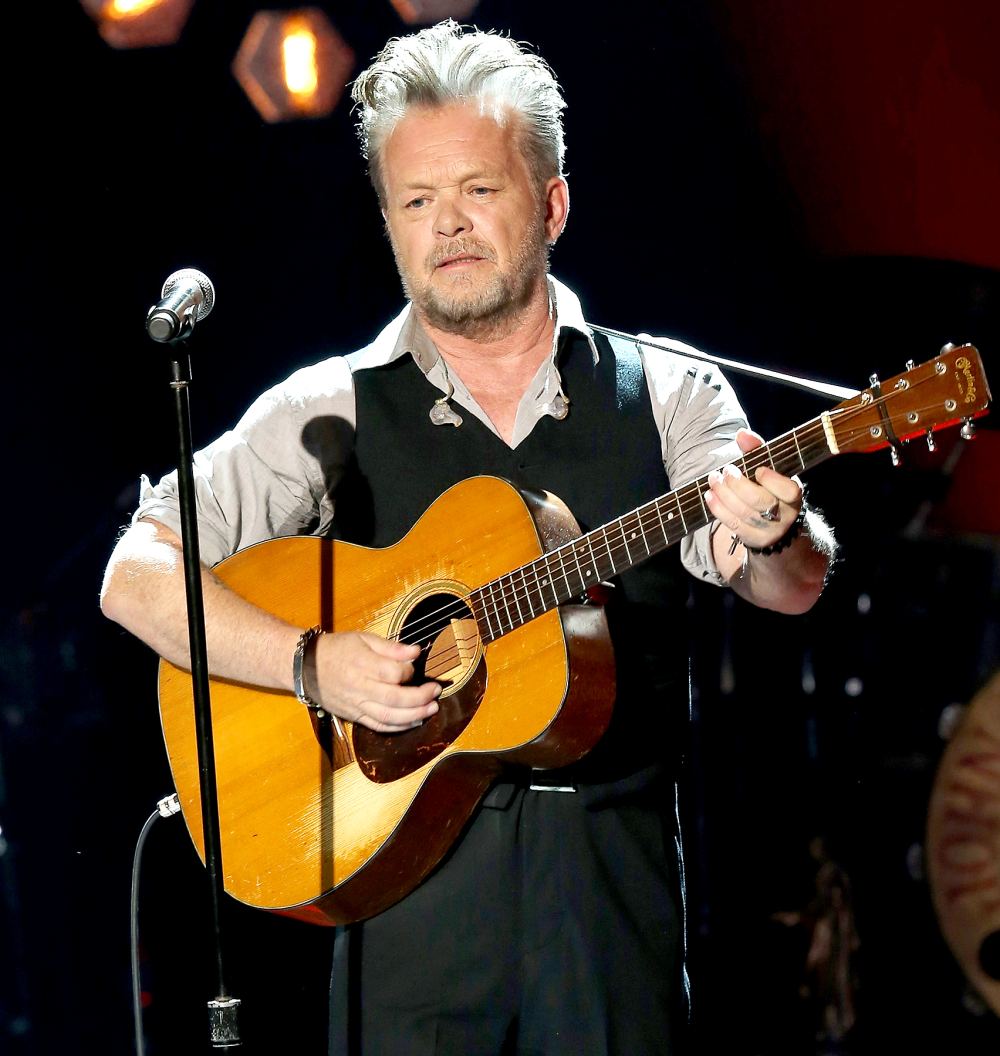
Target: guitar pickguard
(452,654)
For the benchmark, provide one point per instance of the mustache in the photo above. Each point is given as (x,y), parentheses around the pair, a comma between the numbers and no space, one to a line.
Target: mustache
(458,247)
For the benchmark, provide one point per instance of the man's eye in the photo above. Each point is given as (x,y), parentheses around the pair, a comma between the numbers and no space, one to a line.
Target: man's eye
(481,192)
(416,203)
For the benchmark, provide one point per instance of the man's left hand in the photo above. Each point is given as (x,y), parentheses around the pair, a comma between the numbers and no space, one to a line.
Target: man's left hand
(760,510)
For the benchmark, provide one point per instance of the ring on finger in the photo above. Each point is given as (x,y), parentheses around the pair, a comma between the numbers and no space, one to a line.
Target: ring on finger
(772,513)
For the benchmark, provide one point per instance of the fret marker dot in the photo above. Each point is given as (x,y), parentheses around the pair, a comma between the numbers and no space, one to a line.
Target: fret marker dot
(670,516)
(588,571)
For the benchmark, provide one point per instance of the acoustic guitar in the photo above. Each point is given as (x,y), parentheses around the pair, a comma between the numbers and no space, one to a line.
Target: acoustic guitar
(332,823)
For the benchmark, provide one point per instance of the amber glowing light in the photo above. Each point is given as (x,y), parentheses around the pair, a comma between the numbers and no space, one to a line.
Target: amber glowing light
(139,23)
(293,64)
(298,60)
(129,8)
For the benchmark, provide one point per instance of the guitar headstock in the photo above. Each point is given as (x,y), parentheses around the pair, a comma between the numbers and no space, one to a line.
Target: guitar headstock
(938,394)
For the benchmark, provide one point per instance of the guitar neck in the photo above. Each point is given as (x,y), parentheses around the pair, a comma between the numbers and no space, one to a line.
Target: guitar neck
(568,572)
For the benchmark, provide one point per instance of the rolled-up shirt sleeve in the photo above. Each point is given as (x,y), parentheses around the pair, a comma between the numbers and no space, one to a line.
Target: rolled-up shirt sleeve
(698,414)
(274,473)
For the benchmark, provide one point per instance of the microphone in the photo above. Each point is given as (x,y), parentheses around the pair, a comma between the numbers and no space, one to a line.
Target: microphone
(187,296)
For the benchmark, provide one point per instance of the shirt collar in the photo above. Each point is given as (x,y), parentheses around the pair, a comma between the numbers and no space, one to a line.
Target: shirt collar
(405,336)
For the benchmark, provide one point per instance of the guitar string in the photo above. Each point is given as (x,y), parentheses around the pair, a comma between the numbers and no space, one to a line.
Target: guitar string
(813,434)
(632,527)
(627,523)
(650,518)
(539,574)
(561,560)
(647,517)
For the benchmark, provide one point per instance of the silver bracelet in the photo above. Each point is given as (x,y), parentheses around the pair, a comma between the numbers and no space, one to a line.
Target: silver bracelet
(298,663)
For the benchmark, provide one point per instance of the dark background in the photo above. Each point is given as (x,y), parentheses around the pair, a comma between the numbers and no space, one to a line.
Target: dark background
(810,187)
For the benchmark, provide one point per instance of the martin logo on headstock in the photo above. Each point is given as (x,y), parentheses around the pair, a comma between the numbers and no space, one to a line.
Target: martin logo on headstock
(935,395)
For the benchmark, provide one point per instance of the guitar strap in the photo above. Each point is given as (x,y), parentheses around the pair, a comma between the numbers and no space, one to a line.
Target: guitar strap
(631,379)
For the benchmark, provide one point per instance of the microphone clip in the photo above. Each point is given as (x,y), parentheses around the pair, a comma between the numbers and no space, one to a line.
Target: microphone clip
(187,296)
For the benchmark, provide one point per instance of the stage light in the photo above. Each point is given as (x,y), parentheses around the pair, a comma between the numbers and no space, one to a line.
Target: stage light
(414,11)
(292,64)
(139,23)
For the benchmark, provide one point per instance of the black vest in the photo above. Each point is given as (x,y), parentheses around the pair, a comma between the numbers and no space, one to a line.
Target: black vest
(602,460)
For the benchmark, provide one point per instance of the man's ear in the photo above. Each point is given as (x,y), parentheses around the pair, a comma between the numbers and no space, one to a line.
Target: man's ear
(556,207)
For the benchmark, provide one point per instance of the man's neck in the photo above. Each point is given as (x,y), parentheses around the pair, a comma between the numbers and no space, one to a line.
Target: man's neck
(498,366)
(507,347)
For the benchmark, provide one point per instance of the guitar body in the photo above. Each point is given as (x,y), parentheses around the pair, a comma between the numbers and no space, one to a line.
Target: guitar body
(333,824)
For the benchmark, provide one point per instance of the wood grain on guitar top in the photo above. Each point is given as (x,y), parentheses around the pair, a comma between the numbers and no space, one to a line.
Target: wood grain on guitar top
(331,843)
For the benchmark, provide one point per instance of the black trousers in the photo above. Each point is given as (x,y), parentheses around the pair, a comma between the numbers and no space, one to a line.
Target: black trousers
(553,928)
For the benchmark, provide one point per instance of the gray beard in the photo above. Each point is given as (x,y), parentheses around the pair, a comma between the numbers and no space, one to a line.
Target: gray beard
(487,311)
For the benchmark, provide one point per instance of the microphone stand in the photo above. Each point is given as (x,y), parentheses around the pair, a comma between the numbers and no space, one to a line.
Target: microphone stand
(223,1011)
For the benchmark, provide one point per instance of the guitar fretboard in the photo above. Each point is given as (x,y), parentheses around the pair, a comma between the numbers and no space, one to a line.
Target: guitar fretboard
(568,572)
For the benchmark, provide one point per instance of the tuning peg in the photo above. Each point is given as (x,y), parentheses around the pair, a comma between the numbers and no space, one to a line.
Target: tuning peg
(894,454)
(946,347)
(910,365)
(931,446)
(968,430)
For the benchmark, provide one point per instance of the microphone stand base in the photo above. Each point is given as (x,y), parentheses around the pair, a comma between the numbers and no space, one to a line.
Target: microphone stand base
(223,1023)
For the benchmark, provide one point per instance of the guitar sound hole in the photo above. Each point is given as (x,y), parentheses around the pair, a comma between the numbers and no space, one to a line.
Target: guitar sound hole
(445,628)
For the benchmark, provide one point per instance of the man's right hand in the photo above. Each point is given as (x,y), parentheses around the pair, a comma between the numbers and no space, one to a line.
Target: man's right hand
(362,678)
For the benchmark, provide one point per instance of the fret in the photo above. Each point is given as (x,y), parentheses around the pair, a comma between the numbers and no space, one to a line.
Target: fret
(704,509)
(607,546)
(552,586)
(496,610)
(494,588)
(527,593)
(677,502)
(579,572)
(513,590)
(486,614)
(486,609)
(798,450)
(496,603)
(562,562)
(628,552)
(489,607)
(645,541)
(659,517)
(537,572)
(507,608)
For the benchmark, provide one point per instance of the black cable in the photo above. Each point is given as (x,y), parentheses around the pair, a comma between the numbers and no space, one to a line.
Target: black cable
(166,806)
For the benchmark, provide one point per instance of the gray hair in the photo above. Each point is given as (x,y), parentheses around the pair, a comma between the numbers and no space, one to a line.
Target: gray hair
(444,64)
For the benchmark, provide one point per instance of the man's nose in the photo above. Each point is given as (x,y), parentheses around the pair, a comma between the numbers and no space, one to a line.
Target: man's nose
(451,219)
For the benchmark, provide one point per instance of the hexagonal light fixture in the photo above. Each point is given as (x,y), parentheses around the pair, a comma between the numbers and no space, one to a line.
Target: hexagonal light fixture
(139,23)
(293,64)
(421,11)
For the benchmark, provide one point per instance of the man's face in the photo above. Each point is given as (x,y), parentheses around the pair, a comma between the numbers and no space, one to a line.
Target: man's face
(469,225)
